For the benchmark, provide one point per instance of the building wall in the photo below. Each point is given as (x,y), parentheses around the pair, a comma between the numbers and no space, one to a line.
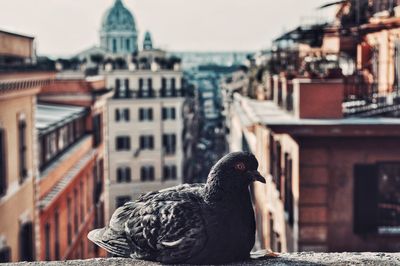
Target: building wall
(134,129)
(326,192)
(17,206)
(136,158)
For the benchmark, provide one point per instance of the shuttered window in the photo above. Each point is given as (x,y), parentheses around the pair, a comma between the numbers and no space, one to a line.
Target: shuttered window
(124,174)
(5,254)
(26,242)
(23,172)
(3,170)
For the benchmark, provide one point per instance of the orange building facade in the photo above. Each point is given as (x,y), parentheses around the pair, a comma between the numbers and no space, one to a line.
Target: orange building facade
(72,160)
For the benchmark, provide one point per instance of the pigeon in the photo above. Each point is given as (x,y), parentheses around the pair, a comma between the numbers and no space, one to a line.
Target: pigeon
(211,223)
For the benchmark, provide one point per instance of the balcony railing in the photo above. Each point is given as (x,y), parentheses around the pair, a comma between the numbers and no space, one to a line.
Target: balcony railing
(145,94)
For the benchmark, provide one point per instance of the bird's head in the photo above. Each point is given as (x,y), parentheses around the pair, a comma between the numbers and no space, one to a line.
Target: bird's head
(237,168)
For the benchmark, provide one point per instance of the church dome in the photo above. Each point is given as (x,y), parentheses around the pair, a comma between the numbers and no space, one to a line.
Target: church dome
(118,18)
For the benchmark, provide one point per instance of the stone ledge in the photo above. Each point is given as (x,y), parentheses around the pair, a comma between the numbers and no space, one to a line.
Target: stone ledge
(302,258)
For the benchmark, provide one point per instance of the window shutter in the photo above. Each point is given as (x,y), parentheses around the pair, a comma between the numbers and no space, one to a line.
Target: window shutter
(173,113)
(140,83)
(141,142)
(126,114)
(128,143)
(142,174)
(163,83)
(151,142)
(151,172)
(119,175)
(127,84)
(150,83)
(173,170)
(141,114)
(173,83)
(365,213)
(150,113)
(118,143)
(128,174)
(117,116)
(164,113)
(3,176)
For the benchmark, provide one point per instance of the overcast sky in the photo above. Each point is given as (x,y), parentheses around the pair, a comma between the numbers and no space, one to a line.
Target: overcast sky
(65,27)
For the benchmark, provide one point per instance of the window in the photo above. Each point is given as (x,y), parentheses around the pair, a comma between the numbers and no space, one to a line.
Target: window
(97,130)
(81,201)
(117,88)
(168,113)
(23,172)
(275,151)
(121,200)
(168,87)
(3,156)
(76,208)
(145,114)
(122,115)
(124,175)
(288,192)
(5,254)
(146,142)
(26,242)
(169,143)
(47,241)
(396,82)
(169,173)
(123,143)
(128,45)
(377,198)
(69,225)
(57,235)
(147,173)
(145,87)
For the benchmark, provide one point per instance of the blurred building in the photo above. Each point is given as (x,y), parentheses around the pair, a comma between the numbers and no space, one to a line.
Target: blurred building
(318,110)
(70,119)
(18,164)
(16,50)
(145,127)
(53,157)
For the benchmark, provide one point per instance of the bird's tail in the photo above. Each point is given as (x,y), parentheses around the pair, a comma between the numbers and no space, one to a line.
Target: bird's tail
(112,241)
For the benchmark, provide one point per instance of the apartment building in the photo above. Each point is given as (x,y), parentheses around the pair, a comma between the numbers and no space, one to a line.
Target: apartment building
(332,182)
(18,164)
(144,130)
(70,119)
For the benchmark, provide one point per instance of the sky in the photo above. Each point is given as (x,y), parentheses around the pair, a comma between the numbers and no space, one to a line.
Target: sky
(66,27)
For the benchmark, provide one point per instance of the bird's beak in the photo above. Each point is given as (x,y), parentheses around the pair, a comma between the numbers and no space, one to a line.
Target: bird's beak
(256,176)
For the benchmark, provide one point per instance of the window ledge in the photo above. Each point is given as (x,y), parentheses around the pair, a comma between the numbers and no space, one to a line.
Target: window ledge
(302,258)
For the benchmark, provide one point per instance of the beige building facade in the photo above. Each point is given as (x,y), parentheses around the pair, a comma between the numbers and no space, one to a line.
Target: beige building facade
(144,132)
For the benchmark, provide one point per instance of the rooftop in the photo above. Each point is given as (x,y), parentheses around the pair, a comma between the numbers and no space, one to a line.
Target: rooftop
(49,116)
(267,112)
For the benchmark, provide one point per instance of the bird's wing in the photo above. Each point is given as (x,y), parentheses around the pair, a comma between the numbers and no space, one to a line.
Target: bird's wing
(167,226)
(113,238)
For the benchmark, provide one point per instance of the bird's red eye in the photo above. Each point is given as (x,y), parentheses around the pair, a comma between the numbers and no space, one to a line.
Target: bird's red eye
(240,166)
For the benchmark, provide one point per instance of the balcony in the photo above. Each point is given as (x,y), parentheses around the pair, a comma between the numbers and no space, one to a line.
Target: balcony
(149,94)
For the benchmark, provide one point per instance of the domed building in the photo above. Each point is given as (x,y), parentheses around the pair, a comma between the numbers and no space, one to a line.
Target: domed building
(118,33)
